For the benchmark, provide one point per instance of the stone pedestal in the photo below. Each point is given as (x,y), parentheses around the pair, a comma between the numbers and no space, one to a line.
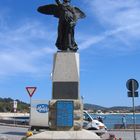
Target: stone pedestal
(65,108)
(65,135)
(77,116)
(65,76)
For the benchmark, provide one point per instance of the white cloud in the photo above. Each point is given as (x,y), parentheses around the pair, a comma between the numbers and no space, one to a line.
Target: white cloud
(120,19)
(117,12)
(3,17)
(23,47)
(97,39)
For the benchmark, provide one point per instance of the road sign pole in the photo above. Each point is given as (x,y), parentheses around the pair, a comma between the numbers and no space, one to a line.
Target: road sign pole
(30,110)
(30,91)
(133,101)
(132,85)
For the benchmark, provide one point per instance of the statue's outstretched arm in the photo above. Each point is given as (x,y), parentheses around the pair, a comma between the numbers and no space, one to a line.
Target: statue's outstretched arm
(58,1)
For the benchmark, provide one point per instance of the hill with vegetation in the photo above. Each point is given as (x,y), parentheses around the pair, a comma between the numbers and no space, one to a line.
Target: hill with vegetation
(115,109)
(93,107)
(6,105)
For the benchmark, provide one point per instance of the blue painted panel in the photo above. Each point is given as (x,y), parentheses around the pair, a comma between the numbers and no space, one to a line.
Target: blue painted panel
(64,113)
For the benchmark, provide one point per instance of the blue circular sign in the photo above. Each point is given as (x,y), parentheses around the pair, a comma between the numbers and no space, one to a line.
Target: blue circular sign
(132,83)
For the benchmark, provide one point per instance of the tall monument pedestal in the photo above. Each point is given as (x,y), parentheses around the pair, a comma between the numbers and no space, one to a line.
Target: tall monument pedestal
(65,108)
(65,76)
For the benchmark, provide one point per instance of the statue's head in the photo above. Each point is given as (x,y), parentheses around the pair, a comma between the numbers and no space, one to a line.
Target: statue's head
(65,1)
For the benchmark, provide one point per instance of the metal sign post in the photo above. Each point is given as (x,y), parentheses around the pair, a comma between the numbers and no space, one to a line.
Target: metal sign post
(133,101)
(132,85)
(31,91)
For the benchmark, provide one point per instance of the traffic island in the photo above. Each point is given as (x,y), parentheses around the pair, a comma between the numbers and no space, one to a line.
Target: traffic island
(69,135)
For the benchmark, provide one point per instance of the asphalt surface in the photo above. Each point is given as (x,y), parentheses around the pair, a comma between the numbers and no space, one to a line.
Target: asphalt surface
(12,133)
(17,133)
(123,134)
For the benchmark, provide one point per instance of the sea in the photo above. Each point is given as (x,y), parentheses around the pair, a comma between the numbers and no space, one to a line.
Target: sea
(111,119)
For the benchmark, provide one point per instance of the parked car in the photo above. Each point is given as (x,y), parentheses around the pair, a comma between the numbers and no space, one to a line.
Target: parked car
(89,123)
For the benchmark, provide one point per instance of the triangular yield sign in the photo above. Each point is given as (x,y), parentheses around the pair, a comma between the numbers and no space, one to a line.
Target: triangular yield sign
(31,90)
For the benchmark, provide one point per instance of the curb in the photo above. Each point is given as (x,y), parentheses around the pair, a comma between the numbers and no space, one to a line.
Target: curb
(15,125)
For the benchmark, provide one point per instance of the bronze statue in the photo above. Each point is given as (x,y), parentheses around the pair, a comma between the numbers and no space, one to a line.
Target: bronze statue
(68,16)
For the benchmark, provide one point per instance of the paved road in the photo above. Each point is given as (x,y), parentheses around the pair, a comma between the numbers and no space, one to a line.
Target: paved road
(125,135)
(12,133)
(16,133)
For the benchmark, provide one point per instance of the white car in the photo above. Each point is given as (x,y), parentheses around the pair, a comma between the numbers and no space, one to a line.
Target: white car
(93,124)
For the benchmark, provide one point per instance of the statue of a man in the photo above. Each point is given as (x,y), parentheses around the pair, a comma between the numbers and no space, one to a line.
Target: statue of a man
(68,16)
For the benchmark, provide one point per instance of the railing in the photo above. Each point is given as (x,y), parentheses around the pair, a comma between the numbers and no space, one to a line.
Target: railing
(114,121)
(117,124)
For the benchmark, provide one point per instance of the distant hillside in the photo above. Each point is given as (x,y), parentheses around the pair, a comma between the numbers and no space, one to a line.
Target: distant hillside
(110,109)
(120,108)
(6,105)
(93,107)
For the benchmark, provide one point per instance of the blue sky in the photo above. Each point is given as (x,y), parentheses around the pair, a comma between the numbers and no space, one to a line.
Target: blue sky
(108,40)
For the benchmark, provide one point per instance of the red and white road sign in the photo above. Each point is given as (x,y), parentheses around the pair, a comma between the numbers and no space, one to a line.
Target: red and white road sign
(31,90)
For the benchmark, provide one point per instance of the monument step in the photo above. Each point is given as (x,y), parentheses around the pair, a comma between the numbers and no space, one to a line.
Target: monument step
(65,135)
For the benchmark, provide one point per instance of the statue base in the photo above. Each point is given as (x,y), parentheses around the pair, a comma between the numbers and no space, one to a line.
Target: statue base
(65,115)
(65,76)
(65,135)
(65,108)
